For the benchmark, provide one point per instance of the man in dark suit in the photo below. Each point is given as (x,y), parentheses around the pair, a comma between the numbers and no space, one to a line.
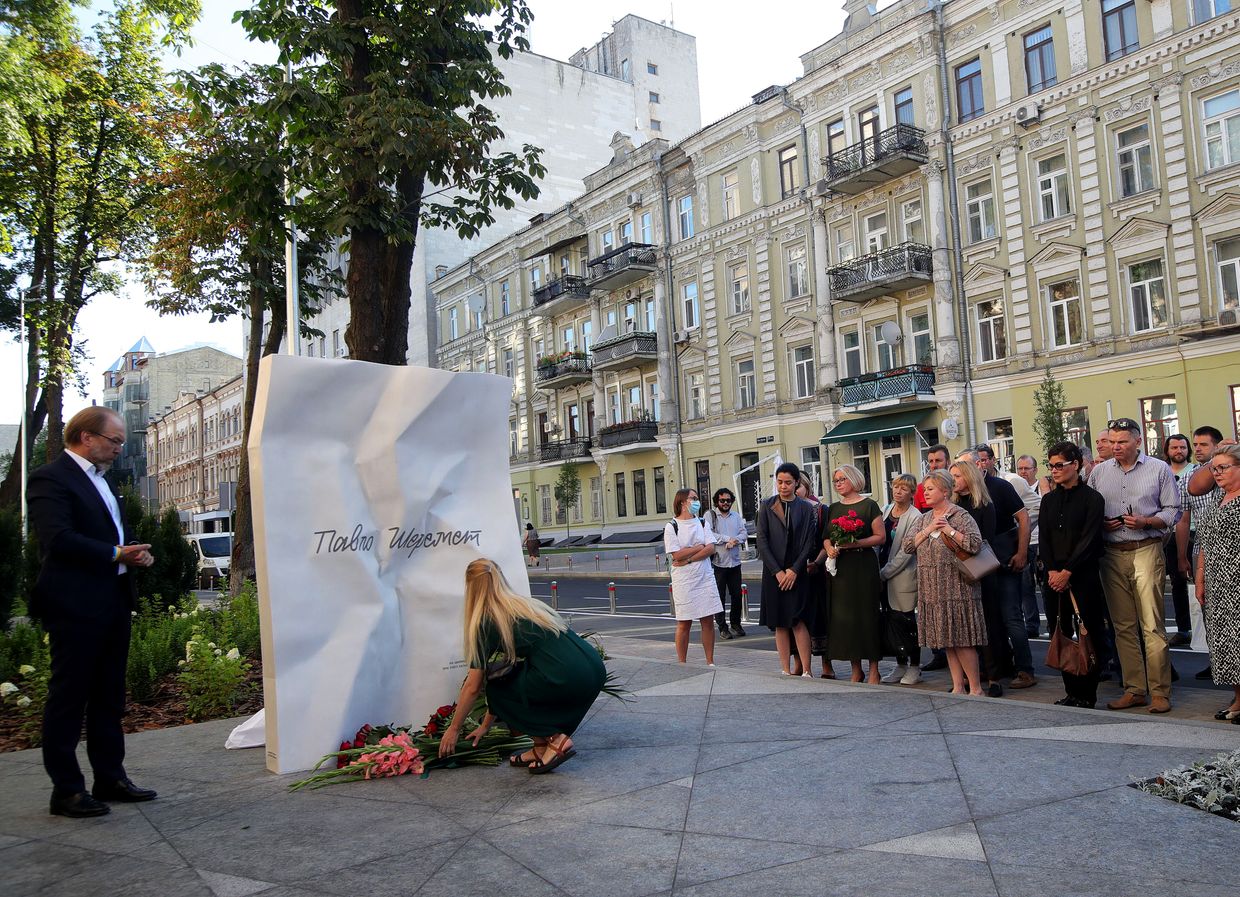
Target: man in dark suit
(84,597)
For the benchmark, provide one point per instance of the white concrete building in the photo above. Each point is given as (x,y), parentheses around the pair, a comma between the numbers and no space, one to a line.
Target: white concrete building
(572,110)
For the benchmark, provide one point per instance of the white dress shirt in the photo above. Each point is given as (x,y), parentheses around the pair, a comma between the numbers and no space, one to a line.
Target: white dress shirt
(105,492)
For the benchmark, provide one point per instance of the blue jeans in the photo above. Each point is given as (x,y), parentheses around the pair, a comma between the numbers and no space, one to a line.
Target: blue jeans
(1014,619)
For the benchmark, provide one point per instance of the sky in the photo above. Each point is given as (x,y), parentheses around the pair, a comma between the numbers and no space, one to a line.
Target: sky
(741,49)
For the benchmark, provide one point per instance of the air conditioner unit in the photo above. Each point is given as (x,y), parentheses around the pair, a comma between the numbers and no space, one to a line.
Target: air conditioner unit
(820,188)
(1028,115)
(634,200)
(1227,318)
(682,336)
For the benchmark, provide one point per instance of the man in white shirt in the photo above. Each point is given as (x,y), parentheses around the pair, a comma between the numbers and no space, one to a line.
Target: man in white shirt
(83,597)
(729,529)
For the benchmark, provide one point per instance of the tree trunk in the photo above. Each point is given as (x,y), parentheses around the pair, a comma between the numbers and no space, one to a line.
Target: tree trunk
(243,565)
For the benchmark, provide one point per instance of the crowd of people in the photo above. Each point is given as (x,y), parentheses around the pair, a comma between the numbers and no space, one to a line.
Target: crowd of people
(957,561)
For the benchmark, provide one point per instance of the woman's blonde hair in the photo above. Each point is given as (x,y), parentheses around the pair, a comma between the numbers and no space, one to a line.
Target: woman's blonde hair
(854,476)
(943,480)
(975,480)
(489,597)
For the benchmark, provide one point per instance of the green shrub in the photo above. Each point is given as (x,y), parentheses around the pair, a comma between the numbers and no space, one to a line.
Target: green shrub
(25,643)
(12,568)
(214,679)
(27,692)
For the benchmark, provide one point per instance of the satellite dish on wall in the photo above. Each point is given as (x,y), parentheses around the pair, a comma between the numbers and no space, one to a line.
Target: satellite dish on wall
(891,333)
(476,304)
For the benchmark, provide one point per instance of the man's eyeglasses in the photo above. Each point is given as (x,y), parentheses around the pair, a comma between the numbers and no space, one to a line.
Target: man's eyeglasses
(116,441)
(1059,465)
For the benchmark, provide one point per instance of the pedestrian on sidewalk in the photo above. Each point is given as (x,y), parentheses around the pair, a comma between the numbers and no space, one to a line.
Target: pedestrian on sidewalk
(786,543)
(950,605)
(1176,454)
(690,544)
(1070,540)
(1218,576)
(532,544)
(84,597)
(816,573)
(1142,506)
(855,589)
(898,571)
(1194,509)
(730,534)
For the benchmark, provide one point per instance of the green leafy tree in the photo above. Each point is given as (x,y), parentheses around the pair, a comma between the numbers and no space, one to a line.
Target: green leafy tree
(175,571)
(567,491)
(222,219)
(387,110)
(1049,401)
(84,125)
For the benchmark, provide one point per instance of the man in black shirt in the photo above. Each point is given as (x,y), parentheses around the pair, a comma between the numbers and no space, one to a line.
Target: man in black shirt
(1070,543)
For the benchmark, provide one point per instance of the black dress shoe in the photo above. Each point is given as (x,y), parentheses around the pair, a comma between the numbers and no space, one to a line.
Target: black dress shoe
(725,633)
(77,806)
(995,690)
(1204,674)
(121,790)
(738,632)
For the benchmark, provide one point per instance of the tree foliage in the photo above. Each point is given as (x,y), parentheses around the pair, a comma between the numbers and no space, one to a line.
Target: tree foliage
(84,123)
(387,110)
(1049,401)
(567,489)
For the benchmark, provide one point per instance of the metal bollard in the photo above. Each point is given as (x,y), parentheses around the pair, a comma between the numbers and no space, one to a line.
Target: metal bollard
(555,596)
(570,562)
(658,559)
(611,596)
(626,563)
(745,603)
(596,562)
(671,599)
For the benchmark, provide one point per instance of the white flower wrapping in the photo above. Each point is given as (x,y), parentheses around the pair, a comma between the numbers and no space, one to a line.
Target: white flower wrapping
(831,566)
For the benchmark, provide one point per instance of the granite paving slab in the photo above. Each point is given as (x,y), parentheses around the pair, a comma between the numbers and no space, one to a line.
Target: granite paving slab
(713,782)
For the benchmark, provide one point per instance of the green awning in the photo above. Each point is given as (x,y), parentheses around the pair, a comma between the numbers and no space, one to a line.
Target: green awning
(874,425)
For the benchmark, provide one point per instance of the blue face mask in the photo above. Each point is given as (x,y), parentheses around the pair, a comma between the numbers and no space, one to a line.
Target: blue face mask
(695,507)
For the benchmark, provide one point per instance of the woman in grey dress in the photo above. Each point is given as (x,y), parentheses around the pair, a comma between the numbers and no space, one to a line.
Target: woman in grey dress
(949,605)
(1218,576)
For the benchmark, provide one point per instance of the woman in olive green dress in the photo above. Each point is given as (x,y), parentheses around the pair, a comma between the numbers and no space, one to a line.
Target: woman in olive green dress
(854,633)
(556,678)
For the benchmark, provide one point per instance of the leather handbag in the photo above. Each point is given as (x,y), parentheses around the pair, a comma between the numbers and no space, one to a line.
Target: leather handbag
(974,567)
(1072,654)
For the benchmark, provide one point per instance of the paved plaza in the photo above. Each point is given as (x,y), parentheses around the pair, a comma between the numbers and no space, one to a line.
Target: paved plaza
(711,782)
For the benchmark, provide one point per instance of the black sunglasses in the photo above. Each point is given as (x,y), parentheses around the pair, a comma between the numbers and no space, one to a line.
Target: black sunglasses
(1123,423)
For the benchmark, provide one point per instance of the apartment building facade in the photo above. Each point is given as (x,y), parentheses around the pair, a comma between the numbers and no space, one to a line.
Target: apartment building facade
(889,252)
(193,454)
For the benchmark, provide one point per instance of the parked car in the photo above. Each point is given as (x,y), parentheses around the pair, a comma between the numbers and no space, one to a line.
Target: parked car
(214,552)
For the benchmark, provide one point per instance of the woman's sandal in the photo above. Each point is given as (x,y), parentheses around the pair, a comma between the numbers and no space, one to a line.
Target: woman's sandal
(523,759)
(540,767)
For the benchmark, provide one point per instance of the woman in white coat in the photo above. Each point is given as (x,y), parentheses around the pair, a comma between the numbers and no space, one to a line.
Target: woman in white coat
(689,542)
(899,573)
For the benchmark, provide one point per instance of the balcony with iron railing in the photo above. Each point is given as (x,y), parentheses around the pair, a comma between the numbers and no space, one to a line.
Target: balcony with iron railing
(882,273)
(631,435)
(564,449)
(622,266)
(567,369)
(560,295)
(625,351)
(889,387)
(875,160)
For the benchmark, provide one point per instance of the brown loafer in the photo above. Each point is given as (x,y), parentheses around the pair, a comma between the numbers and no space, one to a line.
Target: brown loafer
(1128,700)
(1022,680)
(1160,705)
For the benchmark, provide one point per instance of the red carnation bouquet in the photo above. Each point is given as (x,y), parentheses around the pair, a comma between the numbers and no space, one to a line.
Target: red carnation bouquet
(381,751)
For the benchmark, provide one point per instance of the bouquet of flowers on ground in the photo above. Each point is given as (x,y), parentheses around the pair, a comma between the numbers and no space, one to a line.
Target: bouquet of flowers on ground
(381,751)
(844,530)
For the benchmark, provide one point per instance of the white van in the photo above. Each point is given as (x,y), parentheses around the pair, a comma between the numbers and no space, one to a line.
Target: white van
(214,551)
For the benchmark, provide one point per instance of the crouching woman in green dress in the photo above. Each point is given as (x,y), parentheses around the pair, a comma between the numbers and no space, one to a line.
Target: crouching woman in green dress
(554,679)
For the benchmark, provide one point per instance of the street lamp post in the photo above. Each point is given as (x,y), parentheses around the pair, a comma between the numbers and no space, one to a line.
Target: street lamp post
(24,429)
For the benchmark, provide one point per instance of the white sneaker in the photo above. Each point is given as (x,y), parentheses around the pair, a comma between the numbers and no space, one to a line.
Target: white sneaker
(912,677)
(895,675)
